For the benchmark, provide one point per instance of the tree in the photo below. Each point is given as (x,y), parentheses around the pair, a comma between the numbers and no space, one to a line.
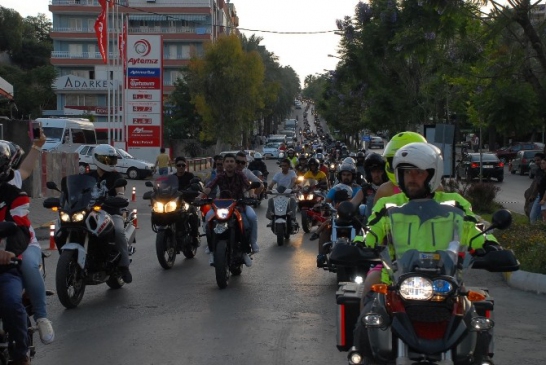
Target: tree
(226,87)
(36,44)
(183,120)
(11,30)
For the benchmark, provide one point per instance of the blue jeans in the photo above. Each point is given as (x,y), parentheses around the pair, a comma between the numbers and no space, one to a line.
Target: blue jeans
(33,281)
(12,311)
(163,171)
(535,214)
(252,219)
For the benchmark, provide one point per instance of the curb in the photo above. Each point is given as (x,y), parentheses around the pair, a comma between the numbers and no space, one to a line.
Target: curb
(526,281)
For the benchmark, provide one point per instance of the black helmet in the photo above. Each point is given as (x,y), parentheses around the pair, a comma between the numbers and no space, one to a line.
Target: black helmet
(360,155)
(9,156)
(374,161)
(313,161)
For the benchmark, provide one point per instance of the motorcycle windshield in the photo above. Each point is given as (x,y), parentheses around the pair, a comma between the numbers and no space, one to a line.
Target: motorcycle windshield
(166,186)
(422,231)
(77,191)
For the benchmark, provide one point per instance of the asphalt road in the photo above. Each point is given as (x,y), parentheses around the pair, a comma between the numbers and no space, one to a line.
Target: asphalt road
(280,311)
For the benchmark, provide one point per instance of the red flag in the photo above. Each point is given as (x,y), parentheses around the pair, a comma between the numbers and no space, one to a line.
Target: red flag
(122,42)
(101,31)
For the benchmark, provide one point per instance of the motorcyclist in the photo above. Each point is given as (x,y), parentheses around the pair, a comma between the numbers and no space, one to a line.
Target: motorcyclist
(399,140)
(185,181)
(291,156)
(32,257)
(14,205)
(375,176)
(346,177)
(105,157)
(418,169)
(315,174)
(258,164)
(284,179)
(322,167)
(360,157)
(301,167)
(234,183)
(240,161)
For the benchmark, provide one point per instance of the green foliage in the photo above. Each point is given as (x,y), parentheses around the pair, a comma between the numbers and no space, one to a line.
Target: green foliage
(193,148)
(480,194)
(11,30)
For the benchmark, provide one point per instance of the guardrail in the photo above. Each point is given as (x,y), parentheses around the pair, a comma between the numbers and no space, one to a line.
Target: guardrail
(199,164)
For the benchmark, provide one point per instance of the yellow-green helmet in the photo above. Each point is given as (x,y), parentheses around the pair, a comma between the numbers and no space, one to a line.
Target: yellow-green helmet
(398,141)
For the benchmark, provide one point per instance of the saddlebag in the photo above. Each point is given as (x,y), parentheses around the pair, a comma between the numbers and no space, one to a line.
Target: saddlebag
(348,310)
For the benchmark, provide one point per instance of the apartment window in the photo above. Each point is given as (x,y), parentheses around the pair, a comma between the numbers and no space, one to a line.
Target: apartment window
(81,100)
(186,49)
(91,50)
(71,100)
(91,75)
(75,23)
(91,25)
(80,73)
(75,50)
(173,51)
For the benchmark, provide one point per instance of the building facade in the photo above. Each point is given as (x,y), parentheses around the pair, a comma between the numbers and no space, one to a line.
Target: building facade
(84,79)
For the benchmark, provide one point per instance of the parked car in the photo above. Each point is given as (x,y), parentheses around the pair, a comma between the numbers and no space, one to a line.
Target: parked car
(271,150)
(521,163)
(127,164)
(376,142)
(509,152)
(469,167)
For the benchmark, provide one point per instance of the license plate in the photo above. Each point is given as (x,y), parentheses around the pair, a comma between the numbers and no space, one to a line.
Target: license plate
(429,256)
(220,228)
(488,166)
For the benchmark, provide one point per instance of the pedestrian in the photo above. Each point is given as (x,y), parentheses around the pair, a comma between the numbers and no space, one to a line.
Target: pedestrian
(534,197)
(163,162)
(542,190)
(475,143)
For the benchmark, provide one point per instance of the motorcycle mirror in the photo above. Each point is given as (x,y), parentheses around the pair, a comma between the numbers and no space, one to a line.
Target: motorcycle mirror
(7,229)
(149,184)
(147,195)
(502,219)
(51,185)
(497,261)
(196,186)
(52,203)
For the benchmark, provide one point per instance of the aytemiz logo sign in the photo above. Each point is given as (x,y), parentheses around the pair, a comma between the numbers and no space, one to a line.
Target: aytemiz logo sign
(143,52)
(145,72)
(148,136)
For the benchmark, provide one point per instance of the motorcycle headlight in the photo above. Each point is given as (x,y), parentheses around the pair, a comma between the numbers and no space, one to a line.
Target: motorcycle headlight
(416,288)
(79,216)
(158,207)
(170,206)
(64,217)
(185,206)
(441,287)
(332,167)
(310,197)
(222,213)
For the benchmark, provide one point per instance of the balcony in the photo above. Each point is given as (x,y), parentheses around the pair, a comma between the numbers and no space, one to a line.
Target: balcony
(81,55)
(81,2)
(170,30)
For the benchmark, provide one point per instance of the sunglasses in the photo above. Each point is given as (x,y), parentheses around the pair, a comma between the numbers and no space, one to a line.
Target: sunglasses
(180,165)
(240,162)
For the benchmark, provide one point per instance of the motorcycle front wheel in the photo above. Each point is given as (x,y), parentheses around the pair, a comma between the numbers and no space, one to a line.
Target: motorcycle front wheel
(69,280)
(280,234)
(165,248)
(189,249)
(221,264)
(306,223)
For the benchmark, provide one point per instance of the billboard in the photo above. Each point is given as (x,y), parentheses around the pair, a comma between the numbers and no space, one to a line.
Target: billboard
(144,92)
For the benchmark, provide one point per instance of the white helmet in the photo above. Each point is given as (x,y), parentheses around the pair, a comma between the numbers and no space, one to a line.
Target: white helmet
(105,157)
(257,156)
(424,156)
(349,160)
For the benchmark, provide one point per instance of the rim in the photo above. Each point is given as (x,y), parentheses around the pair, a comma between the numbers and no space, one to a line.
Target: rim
(170,252)
(73,285)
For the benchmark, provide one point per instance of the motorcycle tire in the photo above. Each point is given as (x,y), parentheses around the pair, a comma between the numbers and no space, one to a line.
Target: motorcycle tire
(165,249)
(69,281)
(221,264)
(306,223)
(115,281)
(280,234)
(189,250)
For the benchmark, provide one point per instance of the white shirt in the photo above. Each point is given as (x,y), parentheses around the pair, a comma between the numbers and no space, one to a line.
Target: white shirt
(250,176)
(18,182)
(284,180)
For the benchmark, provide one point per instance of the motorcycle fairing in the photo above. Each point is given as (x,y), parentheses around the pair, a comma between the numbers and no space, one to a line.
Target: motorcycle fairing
(82,254)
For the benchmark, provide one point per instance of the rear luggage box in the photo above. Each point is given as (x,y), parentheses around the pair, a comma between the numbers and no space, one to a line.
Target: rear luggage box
(348,309)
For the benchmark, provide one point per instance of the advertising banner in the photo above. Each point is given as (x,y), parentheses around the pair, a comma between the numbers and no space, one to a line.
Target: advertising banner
(144,136)
(143,119)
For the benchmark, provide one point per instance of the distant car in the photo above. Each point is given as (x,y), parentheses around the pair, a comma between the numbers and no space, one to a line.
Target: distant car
(127,164)
(376,142)
(509,152)
(271,150)
(469,167)
(521,163)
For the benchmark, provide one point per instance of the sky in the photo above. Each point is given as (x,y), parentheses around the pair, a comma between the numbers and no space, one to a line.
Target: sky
(307,54)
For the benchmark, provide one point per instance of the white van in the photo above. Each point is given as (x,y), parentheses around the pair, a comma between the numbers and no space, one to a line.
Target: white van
(67,134)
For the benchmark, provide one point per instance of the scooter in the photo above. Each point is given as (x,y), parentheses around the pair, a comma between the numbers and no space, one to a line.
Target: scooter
(283,220)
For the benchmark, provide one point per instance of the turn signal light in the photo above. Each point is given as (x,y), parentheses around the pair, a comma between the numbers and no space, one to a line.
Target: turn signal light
(96,208)
(380,288)
(55,209)
(474,296)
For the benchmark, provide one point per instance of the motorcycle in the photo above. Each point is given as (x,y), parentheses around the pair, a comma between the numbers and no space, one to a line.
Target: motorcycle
(345,227)
(85,238)
(332,172)
(171,219)
(6,346)
(427,315)
(263,194)
(308,199)
(283,221)
(228,235)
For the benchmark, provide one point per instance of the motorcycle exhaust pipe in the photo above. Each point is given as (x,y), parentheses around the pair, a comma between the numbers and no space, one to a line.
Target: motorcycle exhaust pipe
(130,234)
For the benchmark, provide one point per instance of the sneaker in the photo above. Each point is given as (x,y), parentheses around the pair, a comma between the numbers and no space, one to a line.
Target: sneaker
(46,330)
(126,274)
(314,236)
(211,258)
(24,361)
(207,250)
(269,224)
(247,260)
(255,247)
